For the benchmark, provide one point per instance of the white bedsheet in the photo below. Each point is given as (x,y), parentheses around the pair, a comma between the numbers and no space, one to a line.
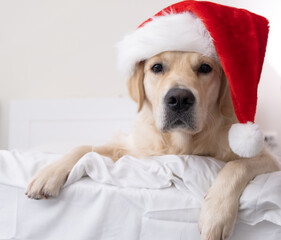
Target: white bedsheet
(155,198)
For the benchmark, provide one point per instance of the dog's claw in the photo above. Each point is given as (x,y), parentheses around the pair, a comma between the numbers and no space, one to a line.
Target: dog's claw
(47,183)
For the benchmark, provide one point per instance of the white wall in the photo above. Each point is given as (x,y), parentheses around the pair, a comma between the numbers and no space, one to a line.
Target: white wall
(65,49)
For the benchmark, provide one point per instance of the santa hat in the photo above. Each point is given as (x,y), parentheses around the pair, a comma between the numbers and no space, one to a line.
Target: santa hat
(234,37)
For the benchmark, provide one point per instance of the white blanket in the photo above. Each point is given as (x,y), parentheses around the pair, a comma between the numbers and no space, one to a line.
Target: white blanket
(154,198)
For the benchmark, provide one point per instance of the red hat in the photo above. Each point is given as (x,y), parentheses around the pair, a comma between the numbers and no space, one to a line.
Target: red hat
(236,38)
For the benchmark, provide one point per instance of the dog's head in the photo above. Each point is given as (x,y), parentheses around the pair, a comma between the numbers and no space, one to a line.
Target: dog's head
(184,90)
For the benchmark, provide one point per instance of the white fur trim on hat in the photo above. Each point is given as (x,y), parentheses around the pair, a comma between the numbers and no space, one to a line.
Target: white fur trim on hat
(172,32)
(246,140)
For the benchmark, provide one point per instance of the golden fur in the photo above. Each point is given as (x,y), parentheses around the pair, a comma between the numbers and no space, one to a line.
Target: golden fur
(215,110)
(212,117)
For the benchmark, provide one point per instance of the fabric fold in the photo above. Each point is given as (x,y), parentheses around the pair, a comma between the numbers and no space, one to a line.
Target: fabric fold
(192,175)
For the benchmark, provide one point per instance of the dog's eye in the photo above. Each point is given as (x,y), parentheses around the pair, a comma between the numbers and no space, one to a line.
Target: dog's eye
(157,68)
(204,68)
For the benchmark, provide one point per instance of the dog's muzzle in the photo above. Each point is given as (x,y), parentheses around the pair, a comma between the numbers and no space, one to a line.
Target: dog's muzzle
(179,109)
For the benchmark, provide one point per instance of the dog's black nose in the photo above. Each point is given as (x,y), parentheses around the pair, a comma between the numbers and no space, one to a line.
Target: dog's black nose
(179,100)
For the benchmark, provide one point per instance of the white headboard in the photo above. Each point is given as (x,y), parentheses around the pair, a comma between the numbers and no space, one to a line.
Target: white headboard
(58,125)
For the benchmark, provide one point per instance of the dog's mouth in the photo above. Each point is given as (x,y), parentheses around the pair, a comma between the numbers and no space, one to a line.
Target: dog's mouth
(178,123)
(181,121)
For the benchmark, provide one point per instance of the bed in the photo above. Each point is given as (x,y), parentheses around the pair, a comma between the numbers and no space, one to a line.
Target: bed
(153,198)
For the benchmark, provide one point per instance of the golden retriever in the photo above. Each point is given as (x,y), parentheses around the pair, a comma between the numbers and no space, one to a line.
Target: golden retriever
(184,107)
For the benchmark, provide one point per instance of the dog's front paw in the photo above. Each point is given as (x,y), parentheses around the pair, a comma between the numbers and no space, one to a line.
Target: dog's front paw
(47,182)
(217,217)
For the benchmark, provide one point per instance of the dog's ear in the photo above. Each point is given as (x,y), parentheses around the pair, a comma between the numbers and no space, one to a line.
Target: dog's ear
(224,100)
(135,85)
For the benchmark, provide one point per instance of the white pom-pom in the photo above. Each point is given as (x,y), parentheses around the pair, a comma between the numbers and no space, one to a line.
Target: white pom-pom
(246,140)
